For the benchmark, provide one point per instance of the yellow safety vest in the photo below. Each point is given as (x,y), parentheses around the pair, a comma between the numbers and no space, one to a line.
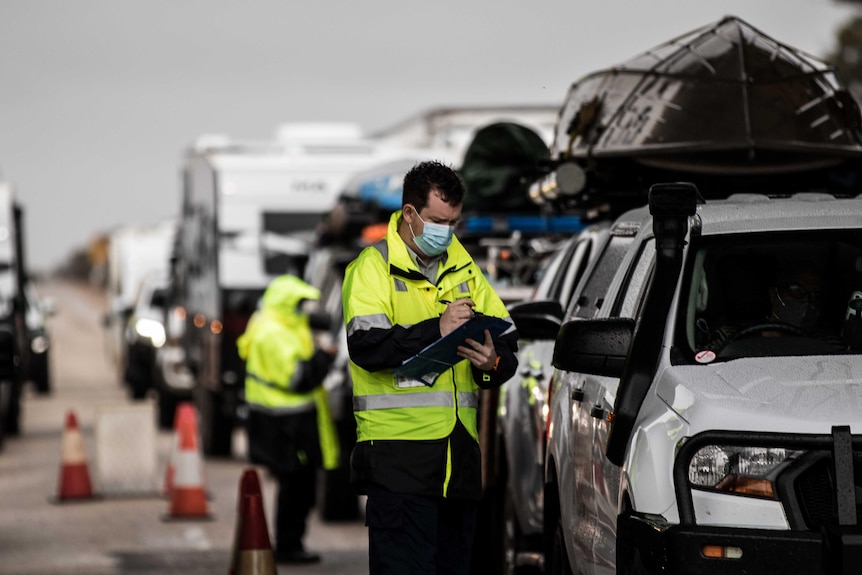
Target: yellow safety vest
(275,341)
(382,288)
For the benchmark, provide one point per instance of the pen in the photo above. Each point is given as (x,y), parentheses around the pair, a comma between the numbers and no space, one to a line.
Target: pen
(447,302)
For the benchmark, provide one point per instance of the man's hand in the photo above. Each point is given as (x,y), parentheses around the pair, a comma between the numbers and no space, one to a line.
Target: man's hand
(456,313)
(483,356)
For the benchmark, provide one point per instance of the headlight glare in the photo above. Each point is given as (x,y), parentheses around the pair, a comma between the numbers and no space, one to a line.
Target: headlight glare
(152,330)
(40,344)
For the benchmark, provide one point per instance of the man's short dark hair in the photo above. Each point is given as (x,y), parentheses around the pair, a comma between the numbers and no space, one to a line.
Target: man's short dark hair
(432,175)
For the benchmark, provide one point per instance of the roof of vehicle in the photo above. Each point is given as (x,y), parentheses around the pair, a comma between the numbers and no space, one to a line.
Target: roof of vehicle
(746,213)
(453,127)
(754,213)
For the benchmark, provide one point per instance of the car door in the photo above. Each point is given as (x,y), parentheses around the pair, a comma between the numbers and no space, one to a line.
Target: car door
(628,290)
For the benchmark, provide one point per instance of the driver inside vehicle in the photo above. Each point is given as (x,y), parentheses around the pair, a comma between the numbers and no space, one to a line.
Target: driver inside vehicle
(796,298)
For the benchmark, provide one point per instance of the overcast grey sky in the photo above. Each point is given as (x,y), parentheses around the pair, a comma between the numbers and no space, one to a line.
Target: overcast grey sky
(98,98)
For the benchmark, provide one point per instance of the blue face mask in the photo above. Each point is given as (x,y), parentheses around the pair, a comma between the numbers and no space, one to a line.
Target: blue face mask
(434,239)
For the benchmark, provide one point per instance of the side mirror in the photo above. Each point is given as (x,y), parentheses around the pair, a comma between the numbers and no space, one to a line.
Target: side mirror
(594,346)
(537,320)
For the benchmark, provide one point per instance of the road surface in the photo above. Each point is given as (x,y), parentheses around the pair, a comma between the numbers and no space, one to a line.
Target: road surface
(128,528)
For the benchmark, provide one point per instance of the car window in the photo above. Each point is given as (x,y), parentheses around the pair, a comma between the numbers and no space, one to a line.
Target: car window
(577,264)
(565,270)
(548,286)
(771,295)
(633,290)
(591,298)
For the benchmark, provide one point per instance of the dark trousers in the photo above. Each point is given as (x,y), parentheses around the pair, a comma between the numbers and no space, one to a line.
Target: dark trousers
(289,447)
(416,535)
(294,500)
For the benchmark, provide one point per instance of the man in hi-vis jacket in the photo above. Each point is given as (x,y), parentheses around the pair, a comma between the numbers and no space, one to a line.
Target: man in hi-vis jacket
(417,455)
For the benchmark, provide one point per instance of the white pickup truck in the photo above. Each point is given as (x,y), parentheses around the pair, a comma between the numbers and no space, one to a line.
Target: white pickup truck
(705,408)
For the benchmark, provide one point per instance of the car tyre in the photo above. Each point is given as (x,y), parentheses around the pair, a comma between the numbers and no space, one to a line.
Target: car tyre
(42,375)
(629,560)
(559,564)
(216,428)
(515,543)
(511,536)
(12,422)
(167,409)
(5,393)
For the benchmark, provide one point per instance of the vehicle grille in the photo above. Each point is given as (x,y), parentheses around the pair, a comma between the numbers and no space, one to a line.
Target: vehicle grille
(814,492)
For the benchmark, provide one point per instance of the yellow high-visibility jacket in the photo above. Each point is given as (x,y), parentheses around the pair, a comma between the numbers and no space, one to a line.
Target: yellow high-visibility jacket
(413,438)
(281,376)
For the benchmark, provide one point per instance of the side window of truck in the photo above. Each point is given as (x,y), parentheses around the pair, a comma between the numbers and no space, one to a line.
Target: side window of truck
(639,276)
(550,284)
(591,298)
(574,269)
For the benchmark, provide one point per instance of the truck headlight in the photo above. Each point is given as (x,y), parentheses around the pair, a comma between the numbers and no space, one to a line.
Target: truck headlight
(39,344)
(152,330)
(739,470)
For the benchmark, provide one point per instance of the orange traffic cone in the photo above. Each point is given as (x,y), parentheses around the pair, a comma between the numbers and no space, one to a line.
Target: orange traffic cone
(169,468)
(168,484)
(255,550)
(249,484)
(74,483)
(188,499)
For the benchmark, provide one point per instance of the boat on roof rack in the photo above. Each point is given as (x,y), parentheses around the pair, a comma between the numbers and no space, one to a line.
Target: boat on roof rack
(725,106)
(722,87)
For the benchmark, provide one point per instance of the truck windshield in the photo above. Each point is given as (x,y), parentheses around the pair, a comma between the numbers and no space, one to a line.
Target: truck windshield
(772,295)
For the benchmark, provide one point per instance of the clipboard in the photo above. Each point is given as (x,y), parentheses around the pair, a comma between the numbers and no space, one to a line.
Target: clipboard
(436,358)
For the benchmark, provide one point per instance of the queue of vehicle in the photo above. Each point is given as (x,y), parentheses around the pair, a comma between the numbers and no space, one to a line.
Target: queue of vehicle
(621,445)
